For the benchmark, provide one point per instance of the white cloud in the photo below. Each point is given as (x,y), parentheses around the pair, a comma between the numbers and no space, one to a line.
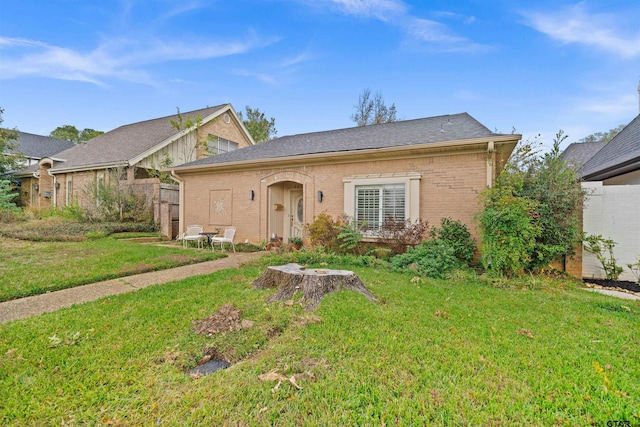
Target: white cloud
(397,13)
(121,58)
(574,24)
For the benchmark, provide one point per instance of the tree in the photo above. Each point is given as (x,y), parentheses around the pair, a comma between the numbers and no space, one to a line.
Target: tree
(71,133)
(602,136)
(373,111)
(535,204)
(9,158)
(260,128)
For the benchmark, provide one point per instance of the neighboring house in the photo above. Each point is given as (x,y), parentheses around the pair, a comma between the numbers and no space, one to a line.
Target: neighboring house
(33,147)
(135,152)
(612,209)
(578,153)
(423,169)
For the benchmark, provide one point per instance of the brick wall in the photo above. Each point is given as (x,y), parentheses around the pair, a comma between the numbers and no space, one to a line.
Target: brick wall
(449,187)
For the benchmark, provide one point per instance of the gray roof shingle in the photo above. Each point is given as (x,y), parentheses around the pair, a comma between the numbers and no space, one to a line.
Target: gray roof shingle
(453,127)
(126,142)
(623,149)
(38,146)
(578,153)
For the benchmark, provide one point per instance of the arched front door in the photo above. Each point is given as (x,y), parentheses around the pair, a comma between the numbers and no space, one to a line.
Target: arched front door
(296,213)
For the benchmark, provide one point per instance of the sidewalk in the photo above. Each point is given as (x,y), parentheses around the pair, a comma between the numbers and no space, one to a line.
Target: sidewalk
(52,301)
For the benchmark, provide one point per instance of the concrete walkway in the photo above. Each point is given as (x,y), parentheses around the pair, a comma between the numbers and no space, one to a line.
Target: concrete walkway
(51,301)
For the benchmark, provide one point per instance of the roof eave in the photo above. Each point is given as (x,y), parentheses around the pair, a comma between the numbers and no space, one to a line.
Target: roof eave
(83,168)
(355,155)
(613,171)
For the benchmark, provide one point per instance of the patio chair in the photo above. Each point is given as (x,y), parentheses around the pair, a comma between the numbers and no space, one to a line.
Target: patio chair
(227,237)
(193,234)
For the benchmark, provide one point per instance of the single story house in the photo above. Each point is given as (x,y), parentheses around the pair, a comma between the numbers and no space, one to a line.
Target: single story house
(134,152)
(612,178)
(422,169)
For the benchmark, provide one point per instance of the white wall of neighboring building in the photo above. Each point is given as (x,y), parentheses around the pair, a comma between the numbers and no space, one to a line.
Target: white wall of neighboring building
(612,211)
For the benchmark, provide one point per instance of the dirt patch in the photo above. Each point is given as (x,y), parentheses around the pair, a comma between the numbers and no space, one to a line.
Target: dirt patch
(226,319)
(614,285)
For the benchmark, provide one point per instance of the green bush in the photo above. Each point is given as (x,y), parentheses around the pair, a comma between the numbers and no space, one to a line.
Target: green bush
(603,250)
(509,232)
(457,235)
(433,258)
(323,231)
(350,236)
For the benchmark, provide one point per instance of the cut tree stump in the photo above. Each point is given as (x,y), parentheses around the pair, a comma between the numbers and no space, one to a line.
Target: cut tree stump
(313,283)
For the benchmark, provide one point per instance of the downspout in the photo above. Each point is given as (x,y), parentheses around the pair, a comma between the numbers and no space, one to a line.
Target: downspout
(36,199)
(490,163)
(180,182)
(55,188)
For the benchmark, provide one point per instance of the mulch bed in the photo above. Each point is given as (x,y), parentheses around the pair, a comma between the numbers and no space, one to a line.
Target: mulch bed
(614,285)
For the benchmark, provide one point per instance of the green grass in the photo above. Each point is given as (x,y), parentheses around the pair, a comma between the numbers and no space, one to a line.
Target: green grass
(456,352)
(30,268)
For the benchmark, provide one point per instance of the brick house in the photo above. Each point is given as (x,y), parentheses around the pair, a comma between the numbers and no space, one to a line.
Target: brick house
(135,151)
(415,169)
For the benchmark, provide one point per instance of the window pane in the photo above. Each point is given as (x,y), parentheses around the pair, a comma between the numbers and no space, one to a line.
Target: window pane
(375,203)
(368,207)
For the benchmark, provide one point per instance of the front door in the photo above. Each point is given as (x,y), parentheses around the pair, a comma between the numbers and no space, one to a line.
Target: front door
(296,213)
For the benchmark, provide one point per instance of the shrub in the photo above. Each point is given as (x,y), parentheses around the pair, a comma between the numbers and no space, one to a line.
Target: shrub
(433,258)
(509,232)
(635,270)
(603,250)
(399,235)
(350,236)
(323,231)
(457,235)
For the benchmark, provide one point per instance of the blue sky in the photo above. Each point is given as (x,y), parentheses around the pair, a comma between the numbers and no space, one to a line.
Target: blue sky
(536,66)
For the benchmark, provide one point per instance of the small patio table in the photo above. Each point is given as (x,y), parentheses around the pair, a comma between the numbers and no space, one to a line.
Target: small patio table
(210,235)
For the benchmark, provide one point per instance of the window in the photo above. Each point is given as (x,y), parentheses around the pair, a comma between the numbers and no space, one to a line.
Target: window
(217,145)
(375,203)
(372,198)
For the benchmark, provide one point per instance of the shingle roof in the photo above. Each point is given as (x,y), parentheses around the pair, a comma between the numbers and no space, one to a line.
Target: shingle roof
(126,142)
(621,151)
(408,132)
(38,146)
(578,153)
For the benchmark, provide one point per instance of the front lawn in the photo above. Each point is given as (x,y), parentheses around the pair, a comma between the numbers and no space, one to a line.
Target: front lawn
(30,268)
(430,352)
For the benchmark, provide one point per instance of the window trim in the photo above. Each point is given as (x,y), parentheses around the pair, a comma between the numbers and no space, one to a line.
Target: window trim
(411,181)
(216,140)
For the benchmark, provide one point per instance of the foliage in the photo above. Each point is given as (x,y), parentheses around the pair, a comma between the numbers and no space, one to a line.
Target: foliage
(603,136)
(552,196)
(603,250)
(9,158)
(296,241)
(349,236)
(433,258)
(323,231)
(373,111)
(71,133)
(6,196)
(259,127)
(635,269)
(457,235)
(509,232)
(113,200)
(397,235)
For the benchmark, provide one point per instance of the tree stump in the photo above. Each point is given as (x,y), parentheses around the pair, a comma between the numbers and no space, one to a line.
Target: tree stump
(313,283)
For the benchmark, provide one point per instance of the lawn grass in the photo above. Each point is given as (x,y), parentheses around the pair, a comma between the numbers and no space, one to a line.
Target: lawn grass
(30,268)
(456,352)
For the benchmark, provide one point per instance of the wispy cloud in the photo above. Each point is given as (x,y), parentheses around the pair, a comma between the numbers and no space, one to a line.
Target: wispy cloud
(120,58)
(396,13)
(263,77)
(575,24)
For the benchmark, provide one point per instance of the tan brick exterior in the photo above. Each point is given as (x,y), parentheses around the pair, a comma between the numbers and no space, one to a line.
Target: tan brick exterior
(449,187)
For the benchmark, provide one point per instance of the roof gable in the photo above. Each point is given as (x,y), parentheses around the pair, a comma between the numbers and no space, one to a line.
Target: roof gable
(126,144)
(445,128)
(619,153)
(578,153)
